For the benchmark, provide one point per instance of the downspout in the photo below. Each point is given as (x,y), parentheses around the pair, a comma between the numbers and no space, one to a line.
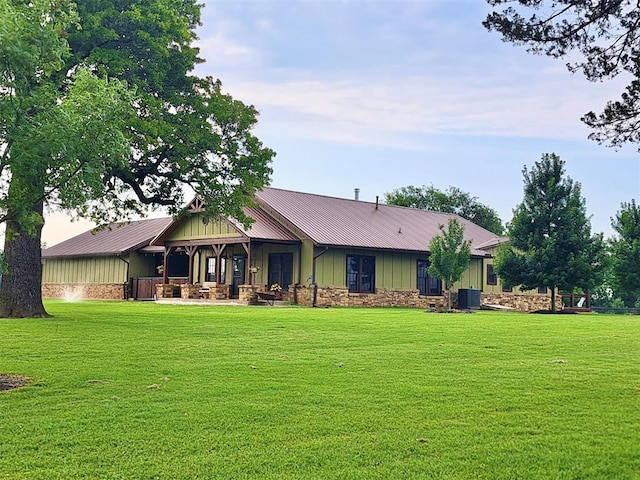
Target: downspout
(126,296)
(313,275)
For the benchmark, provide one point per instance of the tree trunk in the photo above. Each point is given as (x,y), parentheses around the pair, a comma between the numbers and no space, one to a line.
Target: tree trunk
(553,299)
(21,290)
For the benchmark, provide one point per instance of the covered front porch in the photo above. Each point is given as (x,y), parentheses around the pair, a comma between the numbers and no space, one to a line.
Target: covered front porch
(229,269)
(213,259)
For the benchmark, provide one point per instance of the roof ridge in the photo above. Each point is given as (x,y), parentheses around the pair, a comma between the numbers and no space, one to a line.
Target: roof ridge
(370,202)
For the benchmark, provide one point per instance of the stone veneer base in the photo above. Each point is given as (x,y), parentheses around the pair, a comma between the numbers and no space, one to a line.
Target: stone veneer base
(327,296)
(76,291)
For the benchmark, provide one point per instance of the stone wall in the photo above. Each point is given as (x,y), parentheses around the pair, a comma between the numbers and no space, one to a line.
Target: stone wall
(524,302)
(329,296)
(247,293)
(76,291)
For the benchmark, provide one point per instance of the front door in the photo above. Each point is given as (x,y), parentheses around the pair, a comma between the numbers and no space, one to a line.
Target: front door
(239,264)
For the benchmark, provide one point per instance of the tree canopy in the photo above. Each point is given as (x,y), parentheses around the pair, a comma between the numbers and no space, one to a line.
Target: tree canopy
(450,254)
(100,116)
(452,200)
(550,235)
(605,36)
(625,254)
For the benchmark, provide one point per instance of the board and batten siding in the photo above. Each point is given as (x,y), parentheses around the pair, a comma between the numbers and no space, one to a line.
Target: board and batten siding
(142,265)
(84,270)
(260,259)
(473,276)
(193,228)
(394,270)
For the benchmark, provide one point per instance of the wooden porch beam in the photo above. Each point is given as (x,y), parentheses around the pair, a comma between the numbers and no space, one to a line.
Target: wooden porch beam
(191,250)
(218,250)
(165,264)
(247,267)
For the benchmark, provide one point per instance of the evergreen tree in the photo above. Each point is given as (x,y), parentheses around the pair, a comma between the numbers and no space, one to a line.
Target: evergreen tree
(601,38)
(550,235)
(625,254)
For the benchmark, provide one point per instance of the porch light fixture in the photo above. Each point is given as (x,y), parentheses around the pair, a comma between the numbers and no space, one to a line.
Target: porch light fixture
(205,221)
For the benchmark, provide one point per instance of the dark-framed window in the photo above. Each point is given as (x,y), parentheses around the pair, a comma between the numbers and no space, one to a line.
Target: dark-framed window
(211,270)
(542,290)
(361,273)
(492,276)
(427,285)
(280,270)
(507,289)
(178,264)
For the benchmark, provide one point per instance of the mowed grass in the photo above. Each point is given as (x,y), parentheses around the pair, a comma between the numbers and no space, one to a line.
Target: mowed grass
(146,391)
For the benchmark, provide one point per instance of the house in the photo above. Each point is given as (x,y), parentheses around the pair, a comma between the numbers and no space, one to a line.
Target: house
(322,251)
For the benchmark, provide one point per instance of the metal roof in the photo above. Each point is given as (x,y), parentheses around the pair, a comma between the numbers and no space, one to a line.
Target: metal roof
(116,239)
(265,227)
(343,222)
(494,242)
(285,215)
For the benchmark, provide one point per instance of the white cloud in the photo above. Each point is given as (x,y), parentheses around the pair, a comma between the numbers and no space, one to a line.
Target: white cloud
(379,111)
(220,51)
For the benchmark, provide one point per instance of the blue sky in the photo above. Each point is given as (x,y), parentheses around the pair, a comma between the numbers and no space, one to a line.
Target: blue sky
(382,94)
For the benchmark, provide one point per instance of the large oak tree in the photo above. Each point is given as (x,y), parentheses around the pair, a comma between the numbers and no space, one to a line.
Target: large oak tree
(101,116)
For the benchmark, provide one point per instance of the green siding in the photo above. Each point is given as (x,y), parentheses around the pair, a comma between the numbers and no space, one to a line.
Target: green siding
(393,269)
(142,265)
(193,228)
(490,288)
(307,252)
(84,270)
(261,259)
(331,268)
(473,277)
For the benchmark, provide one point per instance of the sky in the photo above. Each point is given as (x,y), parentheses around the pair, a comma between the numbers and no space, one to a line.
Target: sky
(381,94)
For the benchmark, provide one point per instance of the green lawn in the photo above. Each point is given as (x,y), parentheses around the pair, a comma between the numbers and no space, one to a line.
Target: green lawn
(145,391)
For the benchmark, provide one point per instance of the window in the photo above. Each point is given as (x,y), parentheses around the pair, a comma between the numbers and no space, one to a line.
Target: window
(281,270)
(178,264)
(492,277)
(542,290)
(427,285)
(361,273)
(211,270)
(507,289)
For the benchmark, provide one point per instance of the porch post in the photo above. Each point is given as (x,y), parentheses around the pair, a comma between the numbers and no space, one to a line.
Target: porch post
(247,267)
(218,250)
(165,264)
(191,250)
(218,267)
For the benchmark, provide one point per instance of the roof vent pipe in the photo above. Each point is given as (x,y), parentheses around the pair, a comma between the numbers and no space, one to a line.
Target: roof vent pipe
(376,202)
(356,193)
